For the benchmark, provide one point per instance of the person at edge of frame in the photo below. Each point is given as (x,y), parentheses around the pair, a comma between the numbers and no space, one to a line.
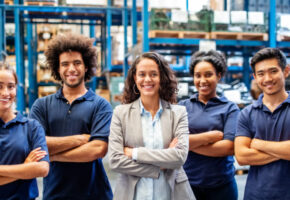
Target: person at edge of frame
(23,150)
(263,138)
(148,142)
(76,123)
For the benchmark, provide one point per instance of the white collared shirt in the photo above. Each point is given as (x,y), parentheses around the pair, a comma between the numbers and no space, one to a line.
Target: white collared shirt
(149,188)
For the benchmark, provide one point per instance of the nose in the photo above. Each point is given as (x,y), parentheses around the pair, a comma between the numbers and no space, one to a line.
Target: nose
(202,79)
(71,67)
(4,91)
(268,77)
(147,78)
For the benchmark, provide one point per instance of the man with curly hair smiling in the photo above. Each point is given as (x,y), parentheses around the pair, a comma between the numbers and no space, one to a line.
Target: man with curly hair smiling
(76,122)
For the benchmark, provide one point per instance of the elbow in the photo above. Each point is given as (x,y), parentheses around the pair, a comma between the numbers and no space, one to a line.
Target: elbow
(42,169)
(241,160)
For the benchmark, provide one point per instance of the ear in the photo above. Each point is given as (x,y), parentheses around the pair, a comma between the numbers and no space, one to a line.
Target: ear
(219,75)
(134,76)
(286,71)
(86,69)
(254,75)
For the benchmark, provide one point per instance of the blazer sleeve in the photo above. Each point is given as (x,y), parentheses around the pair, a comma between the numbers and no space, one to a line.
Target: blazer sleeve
(118,161)
(170,158)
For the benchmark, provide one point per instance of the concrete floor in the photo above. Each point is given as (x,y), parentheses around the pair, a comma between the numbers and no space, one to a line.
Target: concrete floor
(241,181)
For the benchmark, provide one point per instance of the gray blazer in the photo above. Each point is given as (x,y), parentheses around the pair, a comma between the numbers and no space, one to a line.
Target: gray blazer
(126,130)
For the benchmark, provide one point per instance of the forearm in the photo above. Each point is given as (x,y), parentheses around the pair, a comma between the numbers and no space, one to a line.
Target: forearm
(60,144)
(276,149)
(84,153)
(25,171)
(219,149)
(201,139)
(5,180)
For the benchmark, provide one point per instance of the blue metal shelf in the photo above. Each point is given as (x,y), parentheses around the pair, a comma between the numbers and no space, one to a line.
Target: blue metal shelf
(102,16)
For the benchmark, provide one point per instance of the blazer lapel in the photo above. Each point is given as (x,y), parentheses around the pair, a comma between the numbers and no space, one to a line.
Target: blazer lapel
(135,125)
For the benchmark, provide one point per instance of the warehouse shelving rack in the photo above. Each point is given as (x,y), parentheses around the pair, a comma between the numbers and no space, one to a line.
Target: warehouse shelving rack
(22,15)
(187,46)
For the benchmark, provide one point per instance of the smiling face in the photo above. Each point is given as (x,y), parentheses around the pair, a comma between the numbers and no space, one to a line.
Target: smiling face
(205,80)
(147,78)
(7,90)
(270,77)
(72,69)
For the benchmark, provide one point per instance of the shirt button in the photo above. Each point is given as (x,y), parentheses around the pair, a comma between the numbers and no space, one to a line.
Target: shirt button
(69,111)
(67,102)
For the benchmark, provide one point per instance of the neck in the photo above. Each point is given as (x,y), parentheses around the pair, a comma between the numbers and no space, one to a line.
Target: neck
(205,99)
(150,104)
(7,115)
(273,101)
(73,93)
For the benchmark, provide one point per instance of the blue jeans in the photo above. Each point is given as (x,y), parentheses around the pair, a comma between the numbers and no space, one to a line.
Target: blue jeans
(228,191)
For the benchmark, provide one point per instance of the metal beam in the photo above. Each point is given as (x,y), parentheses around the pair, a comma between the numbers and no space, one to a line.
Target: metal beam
(108,40)
(32,68)
(134,22)
(2,31)
(145,19)
(19,54)
(125,25)
(272,24)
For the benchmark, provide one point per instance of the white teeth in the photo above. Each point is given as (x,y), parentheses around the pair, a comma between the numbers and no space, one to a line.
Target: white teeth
(4,99)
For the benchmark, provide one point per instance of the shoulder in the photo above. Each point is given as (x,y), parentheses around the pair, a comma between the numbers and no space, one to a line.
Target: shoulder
(33,123)
(122,109)
(184,102)
(44,100)
(102,104)
(178,108)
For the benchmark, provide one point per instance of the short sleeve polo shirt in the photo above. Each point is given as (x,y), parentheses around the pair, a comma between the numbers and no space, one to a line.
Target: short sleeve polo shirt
(270,181)
(89,114)
(18,138)
(218,114)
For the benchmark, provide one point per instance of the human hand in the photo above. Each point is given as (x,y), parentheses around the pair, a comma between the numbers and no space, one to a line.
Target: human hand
(173,143)
(256,144)
(35,155)
(128,151)
(214,136)
(82,138)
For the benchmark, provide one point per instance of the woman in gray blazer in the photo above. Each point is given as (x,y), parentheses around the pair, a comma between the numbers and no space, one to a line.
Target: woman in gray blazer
(148,142)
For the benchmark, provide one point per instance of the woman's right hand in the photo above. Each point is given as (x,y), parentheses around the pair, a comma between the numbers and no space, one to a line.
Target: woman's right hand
(173,143)
(35,155)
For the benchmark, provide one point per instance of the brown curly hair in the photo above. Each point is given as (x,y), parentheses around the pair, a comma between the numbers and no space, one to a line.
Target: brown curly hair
(67,43)
(168,82)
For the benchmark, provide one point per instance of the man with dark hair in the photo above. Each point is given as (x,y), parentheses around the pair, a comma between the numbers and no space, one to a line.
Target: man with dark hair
(263,137)
(76,122)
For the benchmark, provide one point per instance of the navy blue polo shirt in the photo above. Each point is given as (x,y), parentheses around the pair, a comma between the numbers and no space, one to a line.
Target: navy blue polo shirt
(18,138)
(218,114)
(270,181)
(89,114)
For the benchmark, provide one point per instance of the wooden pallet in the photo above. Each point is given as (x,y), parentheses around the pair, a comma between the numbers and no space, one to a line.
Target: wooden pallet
(283,37)
(8,2)
(239,36)
(178,34)
(39,3)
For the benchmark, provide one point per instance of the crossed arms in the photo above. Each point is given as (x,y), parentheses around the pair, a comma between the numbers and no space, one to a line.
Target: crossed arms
(260,152)
(31,168)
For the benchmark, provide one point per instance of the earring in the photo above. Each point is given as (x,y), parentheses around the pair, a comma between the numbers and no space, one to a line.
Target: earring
(134,90)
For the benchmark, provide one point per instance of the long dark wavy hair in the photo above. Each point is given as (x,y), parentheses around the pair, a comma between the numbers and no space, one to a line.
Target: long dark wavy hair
(168,82)
(67,43)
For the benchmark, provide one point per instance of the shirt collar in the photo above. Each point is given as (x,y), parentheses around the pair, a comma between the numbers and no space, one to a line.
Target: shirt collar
(143,111)
(18,119)
(89,95)
(222,99)
(259,102)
